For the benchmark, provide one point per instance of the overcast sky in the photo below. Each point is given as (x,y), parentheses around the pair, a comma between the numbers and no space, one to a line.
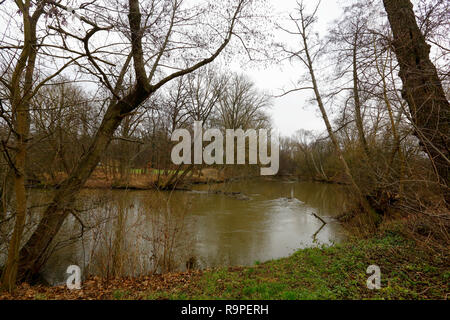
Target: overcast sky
(292,112)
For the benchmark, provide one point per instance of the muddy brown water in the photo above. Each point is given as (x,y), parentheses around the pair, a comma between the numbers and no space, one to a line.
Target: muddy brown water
(237,223)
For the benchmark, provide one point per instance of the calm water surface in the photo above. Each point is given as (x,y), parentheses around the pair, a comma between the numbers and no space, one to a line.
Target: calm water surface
(272,220)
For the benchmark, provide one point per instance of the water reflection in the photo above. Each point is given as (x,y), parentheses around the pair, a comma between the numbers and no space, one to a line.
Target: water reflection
(214,228)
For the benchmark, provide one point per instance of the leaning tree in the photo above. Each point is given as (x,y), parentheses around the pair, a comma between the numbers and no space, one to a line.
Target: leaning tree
(131,49)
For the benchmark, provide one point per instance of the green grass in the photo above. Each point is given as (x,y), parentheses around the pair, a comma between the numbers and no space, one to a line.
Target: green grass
(120,294)
(337,272)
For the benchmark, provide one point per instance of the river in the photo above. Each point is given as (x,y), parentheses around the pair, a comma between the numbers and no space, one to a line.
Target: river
(232,224)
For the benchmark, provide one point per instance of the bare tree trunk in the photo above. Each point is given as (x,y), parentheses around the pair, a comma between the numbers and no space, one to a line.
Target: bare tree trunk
(302,27)
(332,136)
(422,88)
(9,274)
(5,193)
(34,253)
(321,171)
(117,253)
(397,145)
(357,101)
(20,102)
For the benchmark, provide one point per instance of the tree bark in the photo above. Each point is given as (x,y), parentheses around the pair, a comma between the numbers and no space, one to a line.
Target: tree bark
(34,253)
(381,69)
(357,101)
(309,64)
(422,88)
(20,102)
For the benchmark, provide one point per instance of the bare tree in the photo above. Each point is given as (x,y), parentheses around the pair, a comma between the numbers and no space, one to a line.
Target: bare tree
(349,40)
(422,88)
(241,105)
(156,24)
(303,30)
(21,92)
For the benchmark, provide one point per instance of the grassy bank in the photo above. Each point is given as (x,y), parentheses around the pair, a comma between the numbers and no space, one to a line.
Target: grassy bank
(339,272)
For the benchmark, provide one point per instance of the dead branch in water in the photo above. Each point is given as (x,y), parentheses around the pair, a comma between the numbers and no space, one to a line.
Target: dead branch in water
(315,215)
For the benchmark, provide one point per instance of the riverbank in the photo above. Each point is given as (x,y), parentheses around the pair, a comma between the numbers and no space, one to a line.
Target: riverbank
(152,179)
(139,179)
(408,271)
